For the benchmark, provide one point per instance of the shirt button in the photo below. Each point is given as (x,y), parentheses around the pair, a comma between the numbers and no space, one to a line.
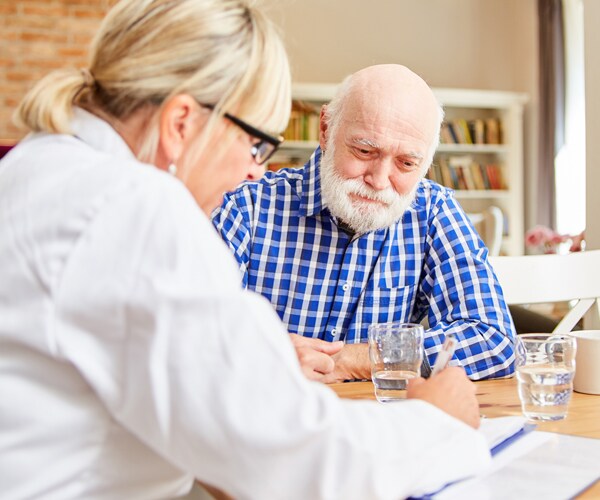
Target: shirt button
(345,287)
(333,332)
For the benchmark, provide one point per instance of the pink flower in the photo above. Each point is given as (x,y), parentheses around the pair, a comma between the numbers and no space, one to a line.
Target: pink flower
(578,242)
(547,240)
(538,235)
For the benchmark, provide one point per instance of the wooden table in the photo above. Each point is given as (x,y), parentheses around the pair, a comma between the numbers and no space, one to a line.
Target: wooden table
(499,398)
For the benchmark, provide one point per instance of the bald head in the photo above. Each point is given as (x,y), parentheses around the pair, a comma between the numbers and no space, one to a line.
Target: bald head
(386,96)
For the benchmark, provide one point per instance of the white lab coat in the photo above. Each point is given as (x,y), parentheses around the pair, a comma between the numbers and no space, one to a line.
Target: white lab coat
(132,361)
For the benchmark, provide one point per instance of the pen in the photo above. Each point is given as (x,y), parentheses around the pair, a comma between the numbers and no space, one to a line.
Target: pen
(445,354)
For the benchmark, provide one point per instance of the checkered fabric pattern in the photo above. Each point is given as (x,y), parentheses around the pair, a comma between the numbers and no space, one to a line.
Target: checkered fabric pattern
(327,284)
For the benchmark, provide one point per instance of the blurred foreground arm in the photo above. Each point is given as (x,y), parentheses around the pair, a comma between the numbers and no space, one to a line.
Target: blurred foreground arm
(202,374)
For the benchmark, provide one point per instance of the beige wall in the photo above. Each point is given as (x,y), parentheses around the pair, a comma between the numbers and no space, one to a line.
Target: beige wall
(488,44)
(480,44)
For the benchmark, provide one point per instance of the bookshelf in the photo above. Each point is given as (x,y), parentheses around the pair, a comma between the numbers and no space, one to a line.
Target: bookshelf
(483,164)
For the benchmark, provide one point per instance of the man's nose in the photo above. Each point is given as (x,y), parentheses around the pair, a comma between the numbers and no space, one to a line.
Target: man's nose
(377,175)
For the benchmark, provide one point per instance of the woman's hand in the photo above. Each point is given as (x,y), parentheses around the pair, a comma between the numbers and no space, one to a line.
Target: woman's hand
(451,391)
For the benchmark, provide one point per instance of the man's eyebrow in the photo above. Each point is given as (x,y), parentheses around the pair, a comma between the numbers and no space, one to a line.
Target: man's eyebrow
(416,156)
(361,141)
(365,142)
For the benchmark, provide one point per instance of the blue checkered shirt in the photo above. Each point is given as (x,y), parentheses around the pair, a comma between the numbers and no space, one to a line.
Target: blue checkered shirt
(327,284)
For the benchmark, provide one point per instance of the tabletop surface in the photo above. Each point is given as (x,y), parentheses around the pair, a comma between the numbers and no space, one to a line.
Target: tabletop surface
(499,398)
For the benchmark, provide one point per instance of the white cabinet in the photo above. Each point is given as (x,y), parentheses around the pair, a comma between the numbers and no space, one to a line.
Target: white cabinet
(501,163)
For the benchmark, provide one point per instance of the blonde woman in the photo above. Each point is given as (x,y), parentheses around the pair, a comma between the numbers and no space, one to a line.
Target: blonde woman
(131,362)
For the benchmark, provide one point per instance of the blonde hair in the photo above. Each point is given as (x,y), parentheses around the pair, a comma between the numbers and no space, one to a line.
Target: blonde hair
(221,52)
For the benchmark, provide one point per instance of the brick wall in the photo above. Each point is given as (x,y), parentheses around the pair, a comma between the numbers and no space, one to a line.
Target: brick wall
(37,36)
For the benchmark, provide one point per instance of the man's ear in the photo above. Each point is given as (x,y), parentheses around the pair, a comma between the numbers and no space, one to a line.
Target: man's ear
(179,122)
(323,127)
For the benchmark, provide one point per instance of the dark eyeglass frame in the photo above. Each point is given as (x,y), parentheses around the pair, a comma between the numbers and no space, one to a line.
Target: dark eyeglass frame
(254,132)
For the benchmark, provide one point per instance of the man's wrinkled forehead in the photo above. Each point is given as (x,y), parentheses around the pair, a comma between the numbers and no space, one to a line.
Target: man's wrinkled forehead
(387,96)
(387,130)
(385,105)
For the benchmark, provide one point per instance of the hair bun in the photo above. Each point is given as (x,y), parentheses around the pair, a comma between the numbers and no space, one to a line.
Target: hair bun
(88,77)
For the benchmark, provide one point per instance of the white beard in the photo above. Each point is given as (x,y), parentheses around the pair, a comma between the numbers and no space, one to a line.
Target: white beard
(362,217)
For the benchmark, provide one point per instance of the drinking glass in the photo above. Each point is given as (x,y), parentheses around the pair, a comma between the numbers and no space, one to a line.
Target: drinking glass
(545,371)
(396,354)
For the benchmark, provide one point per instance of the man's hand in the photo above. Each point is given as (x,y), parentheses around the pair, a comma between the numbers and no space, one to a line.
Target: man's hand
(315,356)
(351,363)
(451,391)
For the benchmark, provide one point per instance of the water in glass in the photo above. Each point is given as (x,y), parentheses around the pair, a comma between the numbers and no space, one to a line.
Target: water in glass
(545,391)
(390,385)
(545,371)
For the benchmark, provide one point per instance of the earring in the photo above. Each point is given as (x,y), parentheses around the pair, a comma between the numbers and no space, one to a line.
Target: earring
(172,169)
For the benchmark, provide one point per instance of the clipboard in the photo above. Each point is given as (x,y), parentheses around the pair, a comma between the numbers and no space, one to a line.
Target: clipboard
(537,465)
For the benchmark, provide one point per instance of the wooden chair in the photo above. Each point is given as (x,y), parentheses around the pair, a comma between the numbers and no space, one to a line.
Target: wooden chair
(535,279)
(489,224)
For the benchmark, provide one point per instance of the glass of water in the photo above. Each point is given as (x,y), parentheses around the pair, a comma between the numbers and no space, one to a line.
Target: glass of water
(396,353)
(545,371)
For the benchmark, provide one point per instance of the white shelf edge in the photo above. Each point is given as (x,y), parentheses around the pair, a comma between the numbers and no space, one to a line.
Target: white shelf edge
(299,145)
(472,148)
(481,193)
(465,98)
(476,98)
(314,91)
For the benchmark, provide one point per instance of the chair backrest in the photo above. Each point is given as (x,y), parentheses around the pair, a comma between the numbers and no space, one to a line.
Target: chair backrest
(532,279)
(489,225)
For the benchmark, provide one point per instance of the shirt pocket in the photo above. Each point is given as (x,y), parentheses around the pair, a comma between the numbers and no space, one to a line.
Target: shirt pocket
(383,304)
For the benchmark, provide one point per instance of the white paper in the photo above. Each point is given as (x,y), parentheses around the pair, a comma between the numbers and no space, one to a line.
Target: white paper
(497,430)
(538,465)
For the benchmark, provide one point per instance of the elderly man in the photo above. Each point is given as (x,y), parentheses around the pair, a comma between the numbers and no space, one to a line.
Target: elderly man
(359,236)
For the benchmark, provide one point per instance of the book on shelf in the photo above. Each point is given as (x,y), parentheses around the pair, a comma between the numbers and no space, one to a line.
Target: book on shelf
(478,178)
(434,173)
(444,177)
(462,165)
(477,131)
(462,131)
(477,128)
(463,173)
(493,131)
(303,124)
(494,174)
(447,134)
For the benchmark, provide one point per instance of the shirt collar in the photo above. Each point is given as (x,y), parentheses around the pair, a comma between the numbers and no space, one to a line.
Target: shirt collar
(99,134)
(312,202)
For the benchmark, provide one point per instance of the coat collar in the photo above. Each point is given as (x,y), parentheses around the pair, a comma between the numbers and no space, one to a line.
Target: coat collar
(99,134)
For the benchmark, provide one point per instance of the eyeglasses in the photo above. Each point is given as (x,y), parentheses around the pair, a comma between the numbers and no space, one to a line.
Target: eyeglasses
(266,146)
